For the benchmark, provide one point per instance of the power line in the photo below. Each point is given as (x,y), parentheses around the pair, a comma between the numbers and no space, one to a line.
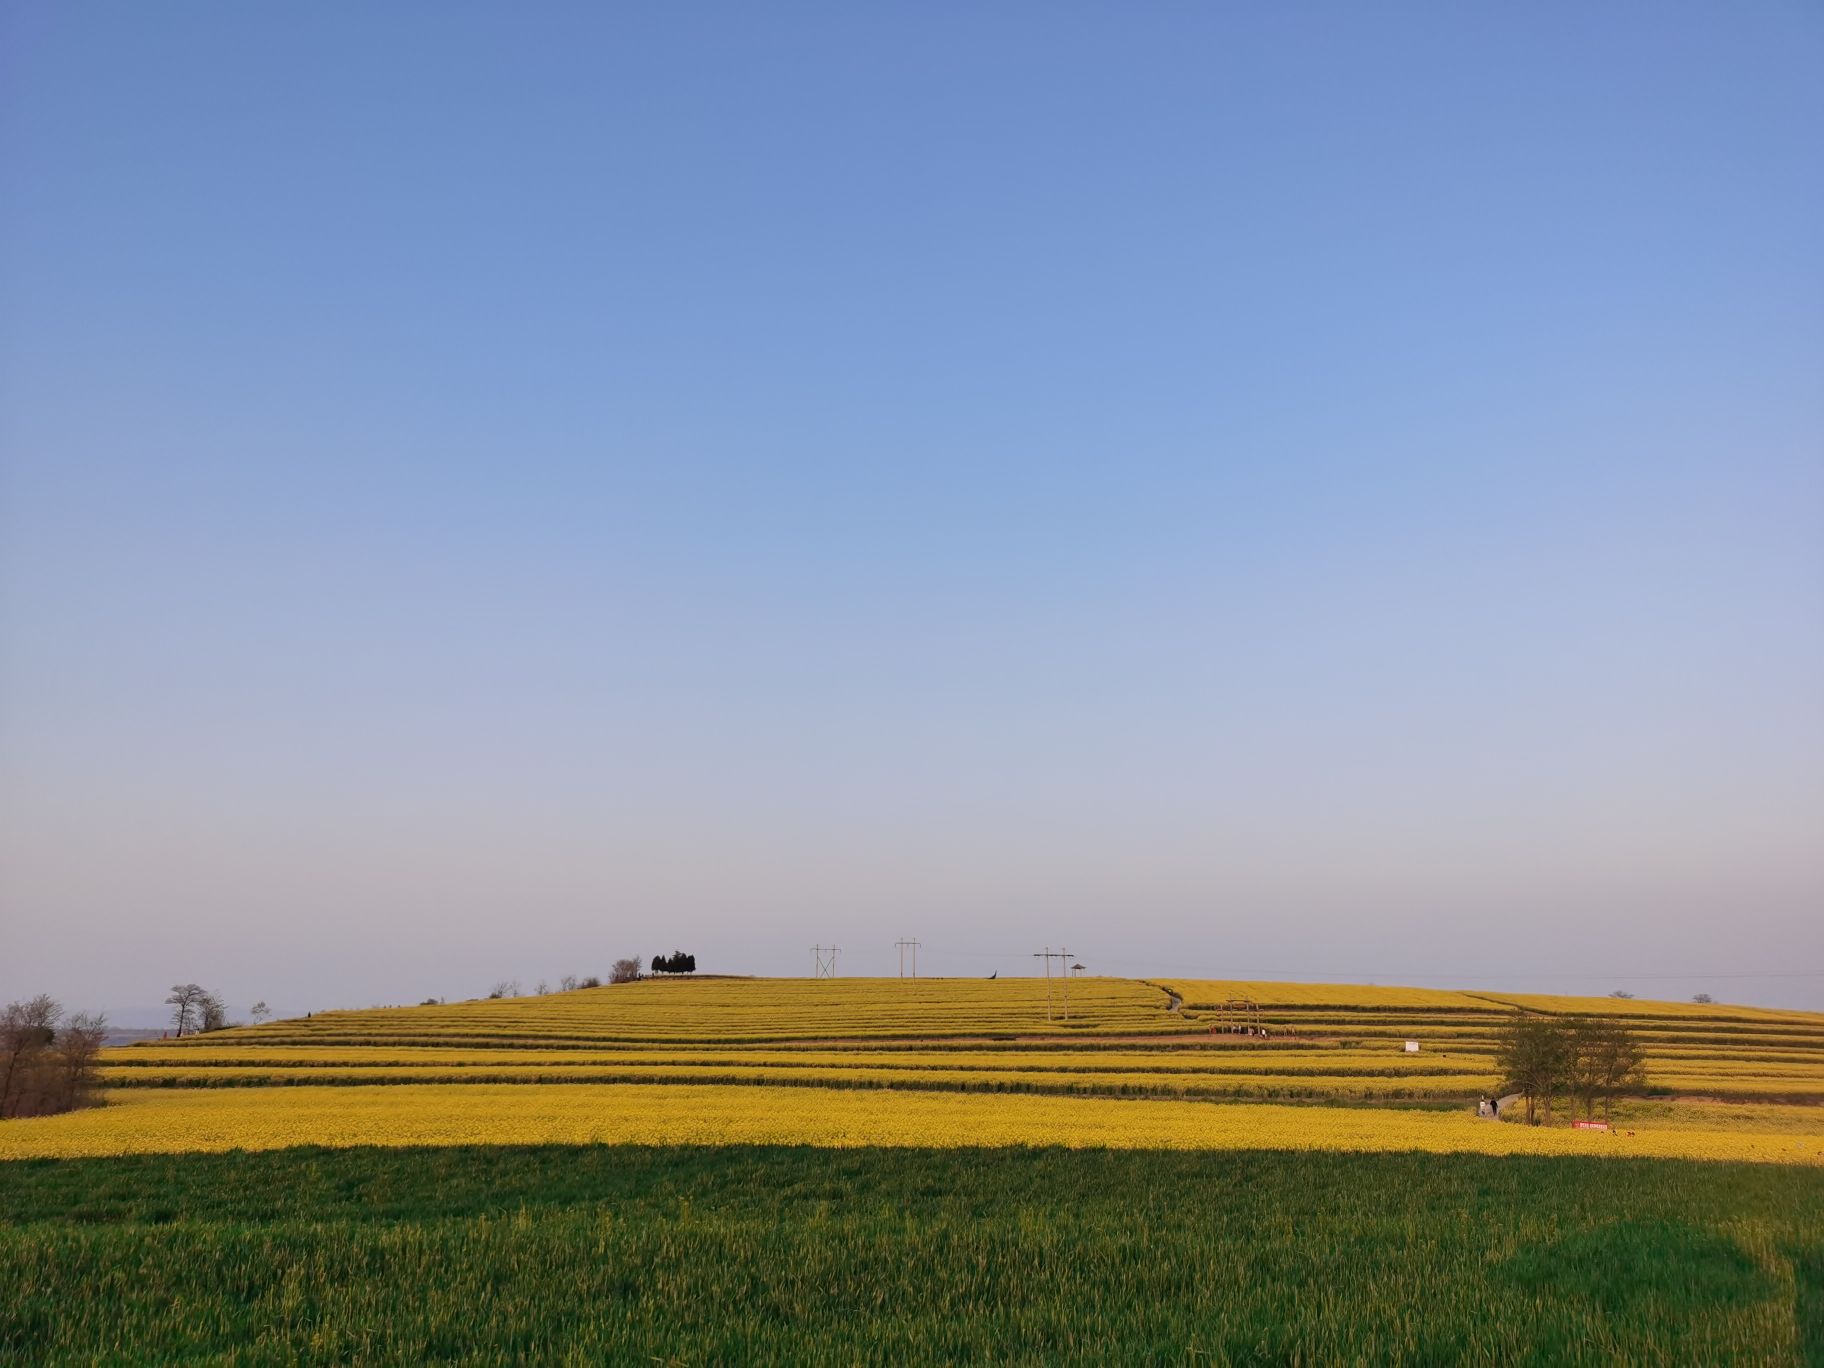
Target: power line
(1361,975)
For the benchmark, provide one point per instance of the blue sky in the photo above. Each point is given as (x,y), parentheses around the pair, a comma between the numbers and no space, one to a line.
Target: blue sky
(1323,490)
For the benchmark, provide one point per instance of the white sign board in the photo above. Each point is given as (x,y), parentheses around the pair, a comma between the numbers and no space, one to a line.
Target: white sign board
(1412,1047)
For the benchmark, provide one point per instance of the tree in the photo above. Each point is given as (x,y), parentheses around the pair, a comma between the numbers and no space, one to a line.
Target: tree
(27,1029)
(677,962)
(590,981)
(504,988)
(1621,993)
(1583,1048)
(1702,997)
(567,984)
(47,1063)
(78,1045)
(1610,1062)
(259,1012)
(1532,1054)
(543,989)
(185,1002)
(625,970)
(213,1012)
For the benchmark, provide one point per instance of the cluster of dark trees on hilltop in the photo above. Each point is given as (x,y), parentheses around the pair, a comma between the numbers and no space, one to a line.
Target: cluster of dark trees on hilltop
(1588,1059)
(623,971)
(47,1058)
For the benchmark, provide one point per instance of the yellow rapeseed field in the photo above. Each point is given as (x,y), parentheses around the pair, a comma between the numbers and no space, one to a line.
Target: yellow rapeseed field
(960,1034)
(907,1062)
(1212,992)
(764,1009)
(1697,1012)
(180,1120)
(1227,1084)
(1263,1081)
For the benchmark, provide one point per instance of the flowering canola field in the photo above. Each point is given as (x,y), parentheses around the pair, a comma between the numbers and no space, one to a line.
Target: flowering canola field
(180,1121)
(929,1061)
(716,1010)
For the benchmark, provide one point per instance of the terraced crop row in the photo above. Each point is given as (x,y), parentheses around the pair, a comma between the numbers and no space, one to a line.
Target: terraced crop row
(185,1120)
(1367,1001)
(1371,1087)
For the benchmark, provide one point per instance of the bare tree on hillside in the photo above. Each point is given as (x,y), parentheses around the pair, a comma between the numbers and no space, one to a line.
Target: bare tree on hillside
(212,1013)
(259,1012)
(185,1002)
(624,971)
(567,984)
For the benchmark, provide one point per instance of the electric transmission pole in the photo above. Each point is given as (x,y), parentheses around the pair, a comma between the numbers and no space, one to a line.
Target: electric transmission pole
(905,945)
(1048,955)
(823,961)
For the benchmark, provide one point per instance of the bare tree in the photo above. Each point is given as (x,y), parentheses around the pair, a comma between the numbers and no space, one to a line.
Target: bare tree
(259,1012)
(624,971)
(26,1032)
(78,1044)
(213,1012)
(504,988)
(1702,997)
(185,1002)
(567,984)
(1621,993)
(543,989)
(47,1064)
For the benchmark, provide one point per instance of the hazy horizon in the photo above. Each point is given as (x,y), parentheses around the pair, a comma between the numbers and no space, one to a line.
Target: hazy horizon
(1328,494)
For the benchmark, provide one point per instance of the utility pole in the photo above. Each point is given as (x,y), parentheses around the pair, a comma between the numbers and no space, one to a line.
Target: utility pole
(823,960)
(905,945)
(1048,955)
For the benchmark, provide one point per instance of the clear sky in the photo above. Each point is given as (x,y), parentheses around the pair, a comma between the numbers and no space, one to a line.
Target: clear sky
(1284,490)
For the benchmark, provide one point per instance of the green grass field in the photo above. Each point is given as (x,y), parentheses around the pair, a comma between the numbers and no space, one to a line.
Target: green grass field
(634,1255)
